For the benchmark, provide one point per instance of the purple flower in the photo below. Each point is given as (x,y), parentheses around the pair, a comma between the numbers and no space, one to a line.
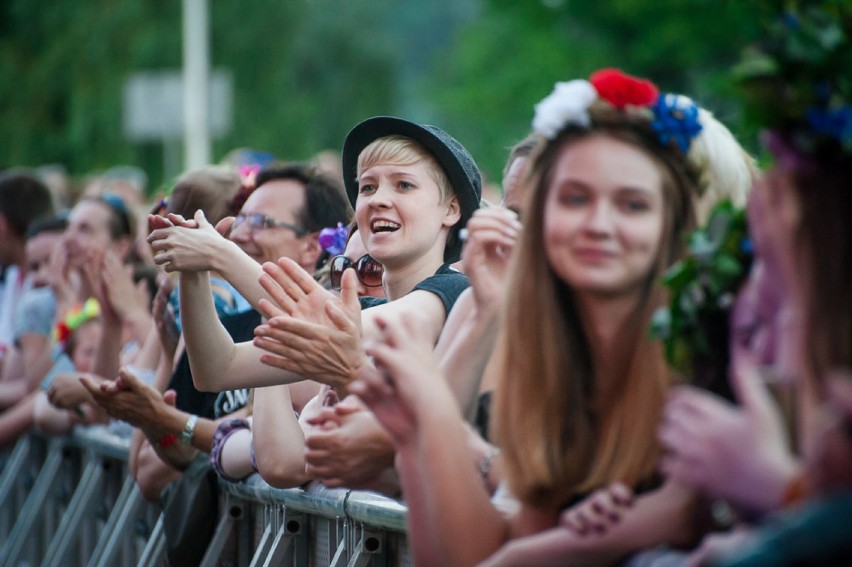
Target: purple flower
(333,240)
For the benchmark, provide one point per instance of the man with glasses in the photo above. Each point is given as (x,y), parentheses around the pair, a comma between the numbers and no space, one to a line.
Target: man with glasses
(282,217)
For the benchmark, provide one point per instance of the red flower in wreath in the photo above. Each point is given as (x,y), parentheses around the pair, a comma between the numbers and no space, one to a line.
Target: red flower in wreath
(620,89)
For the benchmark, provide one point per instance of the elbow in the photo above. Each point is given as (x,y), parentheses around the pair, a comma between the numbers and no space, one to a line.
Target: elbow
(149,487)
(282,471)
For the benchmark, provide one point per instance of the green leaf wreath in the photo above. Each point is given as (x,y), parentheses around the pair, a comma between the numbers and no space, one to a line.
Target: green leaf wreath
(703,287)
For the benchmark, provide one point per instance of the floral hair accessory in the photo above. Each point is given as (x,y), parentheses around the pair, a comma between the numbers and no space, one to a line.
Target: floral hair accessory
(796,79)
(702,289)
(621,90)
(676,119)
(673,117)
(333,240)
(568,104)
(248,174)
(74,318)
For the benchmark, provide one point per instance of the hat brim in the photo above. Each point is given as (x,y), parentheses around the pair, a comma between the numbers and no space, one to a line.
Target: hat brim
(449,153)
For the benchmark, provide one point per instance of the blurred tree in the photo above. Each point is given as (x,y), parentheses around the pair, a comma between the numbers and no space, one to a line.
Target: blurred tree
(305,71)
(486,82)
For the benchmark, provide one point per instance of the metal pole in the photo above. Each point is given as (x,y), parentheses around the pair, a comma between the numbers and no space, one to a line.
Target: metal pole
(196,79)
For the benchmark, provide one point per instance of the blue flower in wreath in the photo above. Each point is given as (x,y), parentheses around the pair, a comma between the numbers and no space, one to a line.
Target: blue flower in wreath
(836,123)
(676,118)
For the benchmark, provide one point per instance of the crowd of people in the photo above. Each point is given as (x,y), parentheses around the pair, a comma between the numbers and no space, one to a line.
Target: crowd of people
(383,327)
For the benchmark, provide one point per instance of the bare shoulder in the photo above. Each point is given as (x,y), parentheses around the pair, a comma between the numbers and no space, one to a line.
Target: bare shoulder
(423,306)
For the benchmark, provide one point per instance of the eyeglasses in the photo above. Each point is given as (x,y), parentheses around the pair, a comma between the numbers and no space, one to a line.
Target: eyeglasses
(368,270)
(258,221)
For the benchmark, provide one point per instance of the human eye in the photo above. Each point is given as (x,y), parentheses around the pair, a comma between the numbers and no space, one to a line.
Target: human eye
(366,188)
(573,198)
(406,185)
(635,204)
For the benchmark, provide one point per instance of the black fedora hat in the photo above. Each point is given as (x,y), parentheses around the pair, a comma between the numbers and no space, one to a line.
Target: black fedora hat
(453,158)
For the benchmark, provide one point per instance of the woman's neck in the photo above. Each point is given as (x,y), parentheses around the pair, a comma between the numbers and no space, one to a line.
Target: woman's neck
(399,281)
(605,320)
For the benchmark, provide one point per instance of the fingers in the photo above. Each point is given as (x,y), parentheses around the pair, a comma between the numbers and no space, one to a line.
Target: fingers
(91,386)
(749,388)
(280,287)
(225,225)
(170,397)
(349,294)
(156,222)
(128,380)
(200,219)
(267,308)
(298,275)
(596,514)
(372,384)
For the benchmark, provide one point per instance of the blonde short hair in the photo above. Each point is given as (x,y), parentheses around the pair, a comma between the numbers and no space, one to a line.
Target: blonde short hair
(399,150)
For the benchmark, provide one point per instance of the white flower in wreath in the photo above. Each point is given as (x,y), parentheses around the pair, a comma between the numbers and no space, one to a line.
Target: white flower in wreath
(568,104)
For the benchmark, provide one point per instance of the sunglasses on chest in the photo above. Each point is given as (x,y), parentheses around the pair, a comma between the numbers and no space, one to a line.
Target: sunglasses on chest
(368,270)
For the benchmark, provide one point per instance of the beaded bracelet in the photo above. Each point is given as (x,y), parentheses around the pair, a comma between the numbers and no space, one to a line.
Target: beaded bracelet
(223,432)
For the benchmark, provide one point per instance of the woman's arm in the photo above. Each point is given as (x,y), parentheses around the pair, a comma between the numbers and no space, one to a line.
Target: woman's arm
(217,362)
(451,518)
(665,516)
(464,348)
(278,438)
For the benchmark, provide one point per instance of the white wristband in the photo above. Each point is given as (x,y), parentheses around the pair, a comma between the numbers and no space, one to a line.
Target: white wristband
(188,430)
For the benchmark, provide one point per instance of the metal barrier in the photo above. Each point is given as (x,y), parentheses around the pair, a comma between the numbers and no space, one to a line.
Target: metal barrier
(72,503)
(69,501)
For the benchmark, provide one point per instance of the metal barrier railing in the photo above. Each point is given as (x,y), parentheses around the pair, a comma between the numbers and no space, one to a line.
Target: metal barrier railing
(70,501)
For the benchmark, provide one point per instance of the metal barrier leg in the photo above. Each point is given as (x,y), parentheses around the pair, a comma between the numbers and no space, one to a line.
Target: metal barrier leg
(10,480)
(263,545)
(73,519)
(369,546)
(155,549)
(20,534)
(234,513)
(13,468)
(291,528)
(118,526)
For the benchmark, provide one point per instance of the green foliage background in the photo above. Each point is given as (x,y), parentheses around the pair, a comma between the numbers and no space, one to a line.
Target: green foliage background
(305,71)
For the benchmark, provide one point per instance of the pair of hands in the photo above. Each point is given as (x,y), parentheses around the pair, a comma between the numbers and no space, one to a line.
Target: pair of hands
(186,245)
(310,331)
(129,399)
(738,453)
(345,446)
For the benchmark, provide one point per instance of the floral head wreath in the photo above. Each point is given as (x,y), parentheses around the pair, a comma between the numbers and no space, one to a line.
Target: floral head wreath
(333,240)
(674,118)
(74,318)
(797,83)
(703,287)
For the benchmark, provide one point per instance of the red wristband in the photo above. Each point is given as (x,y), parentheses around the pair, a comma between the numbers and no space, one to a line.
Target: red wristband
(166,440)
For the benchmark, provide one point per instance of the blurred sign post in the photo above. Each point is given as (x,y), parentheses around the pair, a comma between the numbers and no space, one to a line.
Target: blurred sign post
(192,105)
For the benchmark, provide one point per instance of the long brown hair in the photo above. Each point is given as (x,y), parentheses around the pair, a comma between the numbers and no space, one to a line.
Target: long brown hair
(558,438)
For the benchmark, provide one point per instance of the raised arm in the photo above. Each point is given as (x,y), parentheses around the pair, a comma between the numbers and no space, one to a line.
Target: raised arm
(451,518)
(180,247)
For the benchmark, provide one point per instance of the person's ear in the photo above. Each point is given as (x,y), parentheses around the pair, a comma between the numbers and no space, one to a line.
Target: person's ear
(310,251)
(453,214)
(5,227)
(122,248)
